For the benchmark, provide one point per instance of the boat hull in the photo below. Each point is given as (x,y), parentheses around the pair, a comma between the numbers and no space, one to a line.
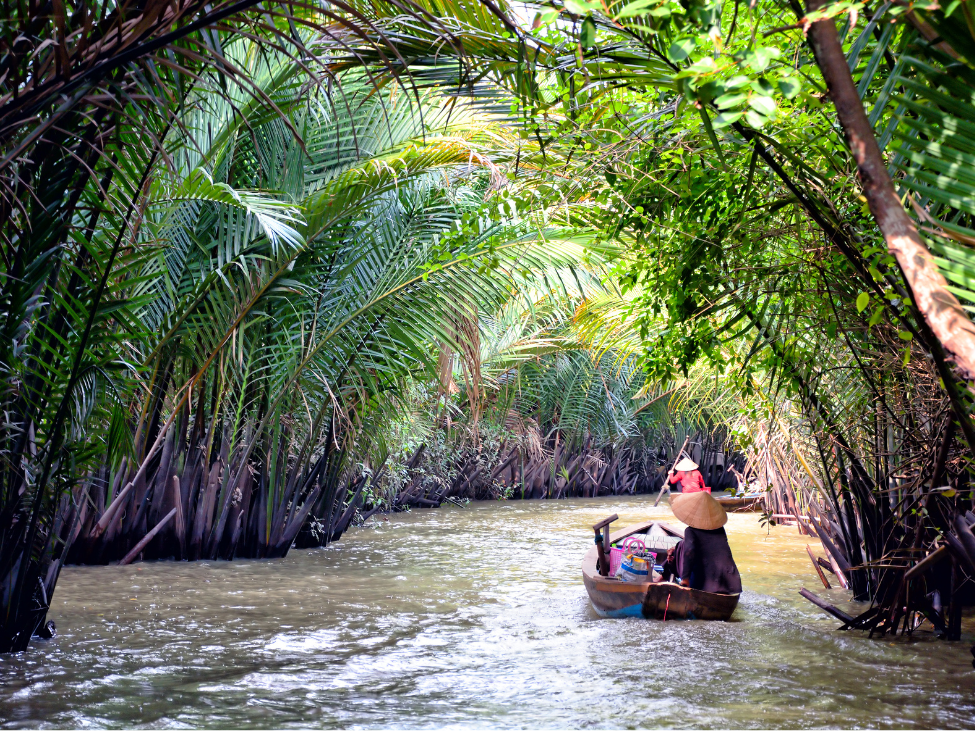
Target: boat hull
(611,597)
(680,602)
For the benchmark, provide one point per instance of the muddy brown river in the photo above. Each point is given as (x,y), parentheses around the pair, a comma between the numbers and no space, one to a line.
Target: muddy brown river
(466,618)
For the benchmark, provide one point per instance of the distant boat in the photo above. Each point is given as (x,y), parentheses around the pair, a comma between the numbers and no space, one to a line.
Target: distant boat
(612,597)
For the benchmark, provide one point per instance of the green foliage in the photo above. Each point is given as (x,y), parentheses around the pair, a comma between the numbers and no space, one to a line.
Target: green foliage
(263,234)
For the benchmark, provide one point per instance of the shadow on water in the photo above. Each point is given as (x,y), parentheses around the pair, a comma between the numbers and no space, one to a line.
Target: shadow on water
(466,618)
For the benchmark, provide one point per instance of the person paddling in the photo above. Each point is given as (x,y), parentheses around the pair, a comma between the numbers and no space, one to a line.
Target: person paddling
(686,473)
(703,559)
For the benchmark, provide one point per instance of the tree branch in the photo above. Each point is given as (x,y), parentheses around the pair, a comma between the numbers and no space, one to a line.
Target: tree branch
(940,308)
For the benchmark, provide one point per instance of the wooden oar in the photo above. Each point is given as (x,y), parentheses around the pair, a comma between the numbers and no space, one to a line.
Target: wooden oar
(667,481)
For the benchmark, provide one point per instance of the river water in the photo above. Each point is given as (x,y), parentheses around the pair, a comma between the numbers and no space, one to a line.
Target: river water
(472,617)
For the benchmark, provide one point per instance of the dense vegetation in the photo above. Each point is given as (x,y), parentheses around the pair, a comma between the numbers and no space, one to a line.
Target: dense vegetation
(256,255)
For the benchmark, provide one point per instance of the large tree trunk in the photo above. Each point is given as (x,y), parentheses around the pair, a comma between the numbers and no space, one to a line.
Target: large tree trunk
(940,308)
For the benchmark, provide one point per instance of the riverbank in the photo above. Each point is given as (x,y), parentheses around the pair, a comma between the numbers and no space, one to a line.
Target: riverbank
(472,617)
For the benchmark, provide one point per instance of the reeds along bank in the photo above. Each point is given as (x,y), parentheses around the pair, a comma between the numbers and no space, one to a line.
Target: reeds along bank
(197,500)
(892,511)
(526,469)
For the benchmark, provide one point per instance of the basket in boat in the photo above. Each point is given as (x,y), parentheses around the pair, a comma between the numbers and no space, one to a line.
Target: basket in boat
(630,544)
(615,559)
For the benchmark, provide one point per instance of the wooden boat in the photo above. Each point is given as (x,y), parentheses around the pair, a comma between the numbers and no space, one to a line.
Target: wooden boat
(611,597)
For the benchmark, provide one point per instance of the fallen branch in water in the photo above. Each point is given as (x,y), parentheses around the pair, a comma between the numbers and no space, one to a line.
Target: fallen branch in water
(826,607)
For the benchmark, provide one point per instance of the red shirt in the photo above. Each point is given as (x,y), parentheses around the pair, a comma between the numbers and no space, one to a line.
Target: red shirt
(689,481)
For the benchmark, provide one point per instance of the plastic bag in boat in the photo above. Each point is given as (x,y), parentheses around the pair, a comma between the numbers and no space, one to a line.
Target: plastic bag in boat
(630,544)
(633,568)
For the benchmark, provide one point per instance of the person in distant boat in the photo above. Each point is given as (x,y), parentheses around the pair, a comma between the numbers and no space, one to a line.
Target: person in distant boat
(686,473)
(703,559)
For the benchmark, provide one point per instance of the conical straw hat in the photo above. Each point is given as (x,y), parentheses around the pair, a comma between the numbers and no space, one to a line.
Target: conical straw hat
(698,510)
(685,465)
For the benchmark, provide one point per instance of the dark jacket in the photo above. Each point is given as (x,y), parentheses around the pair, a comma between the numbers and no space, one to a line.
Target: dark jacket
(704,561)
